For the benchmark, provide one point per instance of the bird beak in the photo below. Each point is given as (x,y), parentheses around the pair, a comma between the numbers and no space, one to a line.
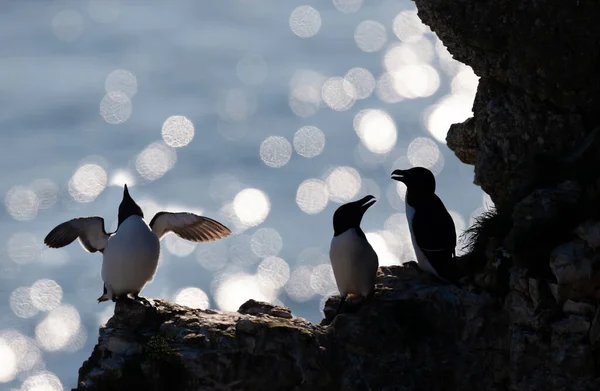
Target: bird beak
(367,202)
(399,175)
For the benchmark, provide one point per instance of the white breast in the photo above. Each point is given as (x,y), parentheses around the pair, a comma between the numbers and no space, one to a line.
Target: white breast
(422,260)
(354,263)
(130,257)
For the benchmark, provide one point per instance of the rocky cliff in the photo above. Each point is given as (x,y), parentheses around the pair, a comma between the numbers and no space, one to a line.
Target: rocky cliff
(525,315)
(415,334)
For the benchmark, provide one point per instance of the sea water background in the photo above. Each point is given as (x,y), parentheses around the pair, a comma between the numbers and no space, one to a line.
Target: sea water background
(263,114)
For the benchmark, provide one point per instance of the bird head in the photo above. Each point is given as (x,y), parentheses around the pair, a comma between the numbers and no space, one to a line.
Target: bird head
(350,214)
(128,206)
(418,179)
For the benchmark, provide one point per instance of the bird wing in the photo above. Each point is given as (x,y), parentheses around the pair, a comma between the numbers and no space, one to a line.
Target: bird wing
(435,234)
(188,226)
(369,257)
(89,230)
(434,228)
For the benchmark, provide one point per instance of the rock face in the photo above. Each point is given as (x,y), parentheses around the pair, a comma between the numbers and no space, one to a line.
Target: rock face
(534,142)
(538,90)
(415,334)
(157,345)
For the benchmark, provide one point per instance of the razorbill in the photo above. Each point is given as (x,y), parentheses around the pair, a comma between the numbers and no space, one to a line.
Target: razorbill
(431,227)
(353,259)
(130,254)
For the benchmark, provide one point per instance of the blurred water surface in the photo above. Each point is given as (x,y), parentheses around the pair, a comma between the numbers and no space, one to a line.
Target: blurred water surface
(263,114)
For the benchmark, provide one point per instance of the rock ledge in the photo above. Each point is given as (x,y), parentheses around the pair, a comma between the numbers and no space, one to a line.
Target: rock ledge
(415,334)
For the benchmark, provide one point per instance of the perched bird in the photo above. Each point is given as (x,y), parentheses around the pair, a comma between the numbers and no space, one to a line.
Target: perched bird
(353,259)
(130,254)
(431,227)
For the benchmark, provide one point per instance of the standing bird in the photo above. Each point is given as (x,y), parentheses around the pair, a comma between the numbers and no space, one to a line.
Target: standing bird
(353,259)
(130,254)
(431,227)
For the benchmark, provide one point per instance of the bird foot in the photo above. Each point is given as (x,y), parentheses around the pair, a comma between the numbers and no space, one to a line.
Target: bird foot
(123,297)
(352,303)
(340,306)
(411,264)
(142,299)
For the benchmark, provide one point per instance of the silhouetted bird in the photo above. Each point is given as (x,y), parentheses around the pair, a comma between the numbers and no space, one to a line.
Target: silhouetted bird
(432,229)
(353,259)
(130,254)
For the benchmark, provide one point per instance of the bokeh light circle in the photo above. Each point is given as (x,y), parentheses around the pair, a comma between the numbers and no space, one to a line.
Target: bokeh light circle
(312,196)
(305,21)
(309,141)
(251,206)
(177,131)
(275,151)
(343,183)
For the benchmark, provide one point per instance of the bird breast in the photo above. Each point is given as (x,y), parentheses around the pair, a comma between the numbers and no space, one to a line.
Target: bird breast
(354,263)
(133,242)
